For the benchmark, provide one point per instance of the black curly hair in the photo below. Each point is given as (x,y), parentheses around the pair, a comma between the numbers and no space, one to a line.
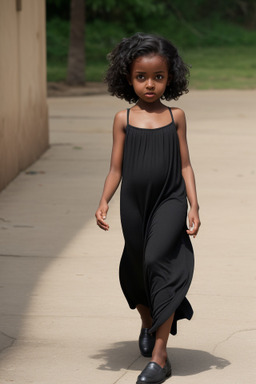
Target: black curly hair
(140,44)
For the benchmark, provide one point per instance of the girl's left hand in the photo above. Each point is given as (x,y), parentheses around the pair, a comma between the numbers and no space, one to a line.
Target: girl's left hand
(194,222)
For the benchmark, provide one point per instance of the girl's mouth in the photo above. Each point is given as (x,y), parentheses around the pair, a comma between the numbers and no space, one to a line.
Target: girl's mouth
(149,94)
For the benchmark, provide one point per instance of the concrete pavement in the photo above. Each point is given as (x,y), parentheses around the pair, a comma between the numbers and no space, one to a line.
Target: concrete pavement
(63,318)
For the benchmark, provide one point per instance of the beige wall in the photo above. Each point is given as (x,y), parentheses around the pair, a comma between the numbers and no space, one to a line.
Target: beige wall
(23,106)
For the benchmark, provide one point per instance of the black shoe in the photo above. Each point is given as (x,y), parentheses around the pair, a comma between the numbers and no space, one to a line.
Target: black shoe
(154,373)
(146,342)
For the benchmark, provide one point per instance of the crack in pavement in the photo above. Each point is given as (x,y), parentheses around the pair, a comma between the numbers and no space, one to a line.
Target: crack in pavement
(6,341)
(115,382)
(4,220)
(230,336)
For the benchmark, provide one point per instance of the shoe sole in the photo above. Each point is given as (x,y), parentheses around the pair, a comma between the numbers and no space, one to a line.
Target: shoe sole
(146,354)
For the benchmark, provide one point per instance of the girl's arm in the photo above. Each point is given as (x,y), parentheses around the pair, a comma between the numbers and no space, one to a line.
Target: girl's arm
(115,173)
(187,173)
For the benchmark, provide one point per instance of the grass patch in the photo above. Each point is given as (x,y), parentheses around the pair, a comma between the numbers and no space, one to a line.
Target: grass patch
(211,68)
(222,67)
(56,71)
(96,71)
(222,55)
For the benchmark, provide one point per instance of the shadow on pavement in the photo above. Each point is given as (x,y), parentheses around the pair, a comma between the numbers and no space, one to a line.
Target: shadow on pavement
(185,362)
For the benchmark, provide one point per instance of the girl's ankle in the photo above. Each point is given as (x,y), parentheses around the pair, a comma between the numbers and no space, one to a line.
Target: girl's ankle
(146,324)
(159,357)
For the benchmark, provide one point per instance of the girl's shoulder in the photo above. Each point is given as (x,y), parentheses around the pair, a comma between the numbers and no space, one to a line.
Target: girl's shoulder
(121,115)
(178,112)
(120,119)
(178,115)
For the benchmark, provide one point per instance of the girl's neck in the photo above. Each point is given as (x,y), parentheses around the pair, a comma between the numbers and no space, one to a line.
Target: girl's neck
(150,107)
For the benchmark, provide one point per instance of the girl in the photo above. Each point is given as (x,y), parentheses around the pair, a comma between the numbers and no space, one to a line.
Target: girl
(150,155)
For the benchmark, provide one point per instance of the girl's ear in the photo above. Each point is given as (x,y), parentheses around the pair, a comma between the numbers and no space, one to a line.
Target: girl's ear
(169,80)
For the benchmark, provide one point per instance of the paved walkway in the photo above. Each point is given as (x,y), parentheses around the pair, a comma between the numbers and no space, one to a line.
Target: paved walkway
(63,318)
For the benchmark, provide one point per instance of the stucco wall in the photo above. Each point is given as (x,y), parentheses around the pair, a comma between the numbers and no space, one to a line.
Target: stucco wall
(23,105)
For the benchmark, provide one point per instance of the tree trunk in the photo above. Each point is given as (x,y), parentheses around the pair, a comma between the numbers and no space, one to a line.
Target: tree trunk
(76,55)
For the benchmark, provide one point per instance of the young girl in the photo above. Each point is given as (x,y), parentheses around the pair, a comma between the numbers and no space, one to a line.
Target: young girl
(150,155)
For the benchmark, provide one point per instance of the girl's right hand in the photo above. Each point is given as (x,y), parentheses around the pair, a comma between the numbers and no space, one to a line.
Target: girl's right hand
(101,215)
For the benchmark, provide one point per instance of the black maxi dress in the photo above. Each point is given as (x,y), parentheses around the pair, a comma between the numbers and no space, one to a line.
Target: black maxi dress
(157,263)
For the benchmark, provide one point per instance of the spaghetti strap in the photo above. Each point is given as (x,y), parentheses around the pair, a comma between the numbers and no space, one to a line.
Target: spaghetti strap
(171,114)
(128,113)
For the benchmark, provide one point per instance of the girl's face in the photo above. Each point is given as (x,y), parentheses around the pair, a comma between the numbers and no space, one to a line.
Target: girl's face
(149,77)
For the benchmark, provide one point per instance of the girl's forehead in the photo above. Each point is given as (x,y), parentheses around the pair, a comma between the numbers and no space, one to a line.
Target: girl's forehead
(150,61)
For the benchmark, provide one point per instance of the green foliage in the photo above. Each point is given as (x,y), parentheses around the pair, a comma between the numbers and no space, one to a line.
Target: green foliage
(101,37)
(130,13)
(58,9)
(221,52)
(241,12)
(57,35)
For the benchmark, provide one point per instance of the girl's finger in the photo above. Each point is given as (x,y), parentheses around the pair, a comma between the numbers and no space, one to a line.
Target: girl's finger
(104,227)
(191,227)
(101,221)
(102,224)
(100,217)
(192,231)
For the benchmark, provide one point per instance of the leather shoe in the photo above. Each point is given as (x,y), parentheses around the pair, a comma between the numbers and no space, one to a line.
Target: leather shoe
(154,373)
(146,342)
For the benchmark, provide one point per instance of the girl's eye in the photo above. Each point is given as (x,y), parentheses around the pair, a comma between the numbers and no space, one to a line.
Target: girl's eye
(159,77)
(140,77)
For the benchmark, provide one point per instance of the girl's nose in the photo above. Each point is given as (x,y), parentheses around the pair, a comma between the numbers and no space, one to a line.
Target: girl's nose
(150,84)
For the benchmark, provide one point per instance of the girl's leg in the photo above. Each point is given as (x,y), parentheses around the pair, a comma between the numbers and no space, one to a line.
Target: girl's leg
(145,316)
(159,354)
